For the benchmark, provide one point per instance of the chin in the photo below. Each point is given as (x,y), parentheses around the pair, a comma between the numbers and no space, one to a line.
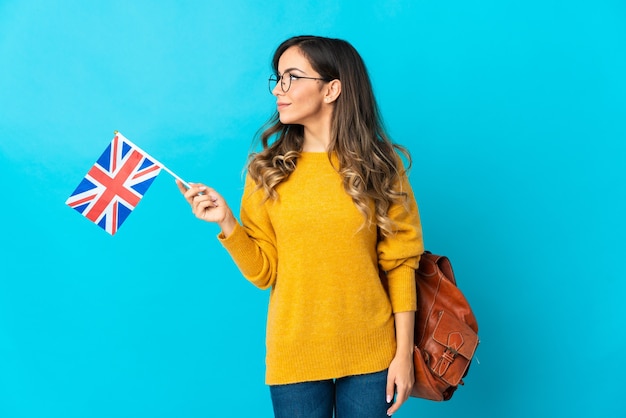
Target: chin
(286,121)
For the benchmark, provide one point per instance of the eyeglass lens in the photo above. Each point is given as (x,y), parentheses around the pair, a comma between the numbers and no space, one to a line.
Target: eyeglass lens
(285,82)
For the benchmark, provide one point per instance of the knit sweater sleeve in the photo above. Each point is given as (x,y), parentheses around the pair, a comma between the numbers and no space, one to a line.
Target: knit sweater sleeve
(399,253)
(252,244)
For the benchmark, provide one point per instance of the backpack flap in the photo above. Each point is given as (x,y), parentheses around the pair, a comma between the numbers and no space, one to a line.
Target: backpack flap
(451,348)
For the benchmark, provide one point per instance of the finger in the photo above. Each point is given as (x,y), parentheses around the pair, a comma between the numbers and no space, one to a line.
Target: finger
(213,195)
(204,204)
(200,209)
(402,396)
(202,200)
(195,190)
(390,390)
(181,186)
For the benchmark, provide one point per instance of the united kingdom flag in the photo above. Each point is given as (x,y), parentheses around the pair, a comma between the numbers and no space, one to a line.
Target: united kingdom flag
(115,184)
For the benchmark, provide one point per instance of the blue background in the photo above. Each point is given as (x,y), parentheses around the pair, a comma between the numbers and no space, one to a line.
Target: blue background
(514,112)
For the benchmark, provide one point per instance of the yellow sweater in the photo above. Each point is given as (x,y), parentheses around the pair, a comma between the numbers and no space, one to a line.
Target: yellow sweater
(329,314)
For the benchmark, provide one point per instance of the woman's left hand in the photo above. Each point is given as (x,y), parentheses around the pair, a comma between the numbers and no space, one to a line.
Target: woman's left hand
(400,379)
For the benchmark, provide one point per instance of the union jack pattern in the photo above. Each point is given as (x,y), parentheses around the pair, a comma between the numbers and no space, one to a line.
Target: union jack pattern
(115,184)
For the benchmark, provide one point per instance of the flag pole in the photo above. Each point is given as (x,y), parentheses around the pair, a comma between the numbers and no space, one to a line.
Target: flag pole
(157,162)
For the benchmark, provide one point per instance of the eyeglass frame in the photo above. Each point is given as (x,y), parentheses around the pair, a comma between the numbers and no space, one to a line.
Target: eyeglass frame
(276,78)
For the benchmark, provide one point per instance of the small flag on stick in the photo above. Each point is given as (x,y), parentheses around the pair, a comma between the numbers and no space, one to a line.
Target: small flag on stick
(115,184)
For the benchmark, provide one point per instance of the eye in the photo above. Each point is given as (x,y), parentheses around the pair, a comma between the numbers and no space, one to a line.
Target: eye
(293,77)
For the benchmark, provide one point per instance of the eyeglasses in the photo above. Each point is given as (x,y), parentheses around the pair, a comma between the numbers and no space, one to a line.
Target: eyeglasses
(285,81)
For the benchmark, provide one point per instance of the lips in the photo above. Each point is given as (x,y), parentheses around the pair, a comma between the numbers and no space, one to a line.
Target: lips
(281,105)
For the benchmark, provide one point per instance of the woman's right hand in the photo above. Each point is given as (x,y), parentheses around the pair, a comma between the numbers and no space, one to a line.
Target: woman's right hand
(208,205)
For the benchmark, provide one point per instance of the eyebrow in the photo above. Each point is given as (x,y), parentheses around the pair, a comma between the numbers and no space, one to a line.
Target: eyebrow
(292,69)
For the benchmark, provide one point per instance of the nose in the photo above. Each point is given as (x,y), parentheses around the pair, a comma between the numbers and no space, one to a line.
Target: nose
(277,90)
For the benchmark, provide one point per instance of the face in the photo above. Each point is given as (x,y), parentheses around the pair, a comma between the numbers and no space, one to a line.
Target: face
(303,103)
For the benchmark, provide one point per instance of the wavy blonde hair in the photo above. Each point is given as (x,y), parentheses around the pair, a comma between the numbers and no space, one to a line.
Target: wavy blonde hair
(368,161)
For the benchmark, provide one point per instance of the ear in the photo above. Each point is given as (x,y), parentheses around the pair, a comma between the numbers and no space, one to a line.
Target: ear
(333,90)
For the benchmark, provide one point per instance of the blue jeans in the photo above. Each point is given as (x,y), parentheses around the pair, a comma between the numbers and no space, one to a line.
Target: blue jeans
(361,396)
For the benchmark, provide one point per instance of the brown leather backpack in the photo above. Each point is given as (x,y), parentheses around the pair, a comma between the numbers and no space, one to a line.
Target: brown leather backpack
(445,331)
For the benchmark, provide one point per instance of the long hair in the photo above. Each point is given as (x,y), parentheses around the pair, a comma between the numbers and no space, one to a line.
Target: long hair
(368,163)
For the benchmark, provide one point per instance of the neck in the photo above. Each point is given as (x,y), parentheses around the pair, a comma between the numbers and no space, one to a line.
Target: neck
(315,144)
(317,136)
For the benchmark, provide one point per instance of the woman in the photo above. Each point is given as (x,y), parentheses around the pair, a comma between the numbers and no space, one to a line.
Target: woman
(326,206)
